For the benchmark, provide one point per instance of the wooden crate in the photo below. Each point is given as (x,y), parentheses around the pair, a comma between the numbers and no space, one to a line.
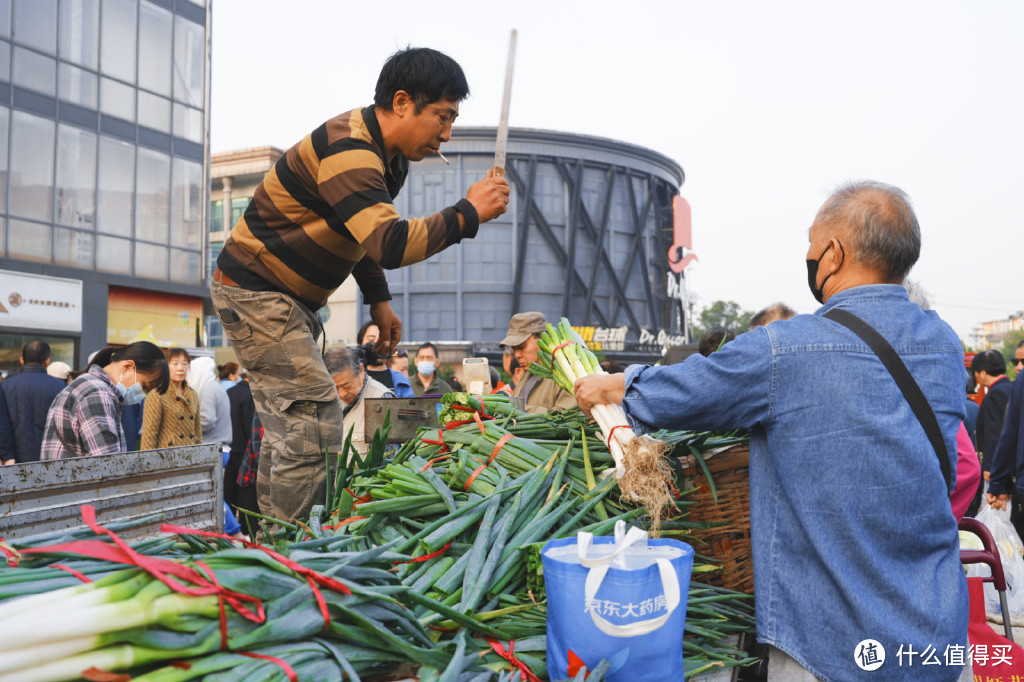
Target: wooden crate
(728,538)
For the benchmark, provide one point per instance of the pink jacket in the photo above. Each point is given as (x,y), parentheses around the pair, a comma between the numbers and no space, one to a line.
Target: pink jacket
(968,473)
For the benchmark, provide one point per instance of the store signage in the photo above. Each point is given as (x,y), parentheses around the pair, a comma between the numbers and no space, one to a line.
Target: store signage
(680,254)
(163,319)
(615,339)
(40,302)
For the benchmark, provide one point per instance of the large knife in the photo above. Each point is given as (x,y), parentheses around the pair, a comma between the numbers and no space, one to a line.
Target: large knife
(502,142)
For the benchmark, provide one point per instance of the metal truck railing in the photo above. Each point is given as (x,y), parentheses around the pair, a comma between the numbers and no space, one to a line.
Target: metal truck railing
(184,484)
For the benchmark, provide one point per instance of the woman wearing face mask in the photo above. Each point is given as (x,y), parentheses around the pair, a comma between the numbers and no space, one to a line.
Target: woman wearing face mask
(172,419)
(85,418)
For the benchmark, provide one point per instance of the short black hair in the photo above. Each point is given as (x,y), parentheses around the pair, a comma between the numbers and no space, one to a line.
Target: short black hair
(35,352)
(991,361)
(361,334)
(712,339)
(427,75)
(430,346)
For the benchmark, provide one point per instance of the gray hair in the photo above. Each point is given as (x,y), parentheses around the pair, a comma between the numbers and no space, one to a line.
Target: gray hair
(776,311)
(917,294)
(879,223)
(340,360)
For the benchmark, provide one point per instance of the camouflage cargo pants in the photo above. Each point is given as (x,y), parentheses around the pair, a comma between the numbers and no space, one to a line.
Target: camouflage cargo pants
(274,337)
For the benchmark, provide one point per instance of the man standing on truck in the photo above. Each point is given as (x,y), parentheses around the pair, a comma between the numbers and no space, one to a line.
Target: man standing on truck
(324,212)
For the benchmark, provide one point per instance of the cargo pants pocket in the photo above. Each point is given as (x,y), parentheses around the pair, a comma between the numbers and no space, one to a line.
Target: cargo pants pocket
(310,417)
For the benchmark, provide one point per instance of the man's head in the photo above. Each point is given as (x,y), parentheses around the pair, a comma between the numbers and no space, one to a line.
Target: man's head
(523,331)
(417,97)
(426,359)
(368,333)
(36,353)
(399,362)
(866,233)
(988,365)
(346,369)
(1018,359)
(773,313)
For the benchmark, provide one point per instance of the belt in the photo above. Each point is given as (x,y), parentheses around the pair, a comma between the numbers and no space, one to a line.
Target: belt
(219,276)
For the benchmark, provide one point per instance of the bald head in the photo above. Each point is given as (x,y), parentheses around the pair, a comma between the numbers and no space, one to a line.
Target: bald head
(877,223)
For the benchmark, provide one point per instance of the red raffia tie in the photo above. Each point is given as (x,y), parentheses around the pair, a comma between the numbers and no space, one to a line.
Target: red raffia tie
(434,461)
(425,557)
(501,443)
(439,441)
(12,556)
(312,576)
(220,606)
(508,654)
(288,670)
(476,417)
(612,432)
(463,408)
(558,348)
(81,576)
(167,572)
(339,524)
(472,476)
(359,499)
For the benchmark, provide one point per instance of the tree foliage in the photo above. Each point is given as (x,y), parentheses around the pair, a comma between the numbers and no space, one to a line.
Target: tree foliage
(1009,350)
(726,314)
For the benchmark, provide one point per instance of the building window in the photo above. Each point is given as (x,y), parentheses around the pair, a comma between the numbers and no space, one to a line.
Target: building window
(29,241)
(5,18)
(188,123)
(77,86)
(5,117)
(32,158)
(116,179)
(189,48)
(211,257)
(238,206)
(76,177)
(79,31)
(117,99)
(214,332)
(217,215)
(186,206)
(33,71)
(152,200)
(118,39)
(154,112)
(155,30)
(35,24)
(185,266)
(5,60)
(73,248)
(114,255)
(150,261)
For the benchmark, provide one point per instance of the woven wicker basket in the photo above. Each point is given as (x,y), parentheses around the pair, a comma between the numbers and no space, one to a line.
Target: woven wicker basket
(728,538)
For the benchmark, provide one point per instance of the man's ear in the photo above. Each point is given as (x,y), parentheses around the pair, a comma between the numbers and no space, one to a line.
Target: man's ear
(838,255)
(21,360)
(46,362)
(402,105)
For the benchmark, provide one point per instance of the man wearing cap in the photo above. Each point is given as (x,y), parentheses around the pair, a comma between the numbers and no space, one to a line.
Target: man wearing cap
(541,395)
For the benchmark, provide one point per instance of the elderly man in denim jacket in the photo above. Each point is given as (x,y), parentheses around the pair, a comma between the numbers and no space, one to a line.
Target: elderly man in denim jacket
(852,532)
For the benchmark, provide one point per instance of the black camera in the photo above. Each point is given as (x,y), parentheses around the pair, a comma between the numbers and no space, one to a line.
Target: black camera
(368,354)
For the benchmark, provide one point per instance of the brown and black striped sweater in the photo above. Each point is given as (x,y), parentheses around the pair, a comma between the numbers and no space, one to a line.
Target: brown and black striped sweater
(325,211)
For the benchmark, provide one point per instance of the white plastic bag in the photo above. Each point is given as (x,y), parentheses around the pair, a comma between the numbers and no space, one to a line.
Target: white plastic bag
(1011,553)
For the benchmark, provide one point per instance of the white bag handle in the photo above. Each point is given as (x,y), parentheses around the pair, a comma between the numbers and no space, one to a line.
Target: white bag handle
(669,583)
(623,541)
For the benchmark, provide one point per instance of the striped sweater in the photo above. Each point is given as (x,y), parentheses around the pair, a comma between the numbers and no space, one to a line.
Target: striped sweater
(325,211)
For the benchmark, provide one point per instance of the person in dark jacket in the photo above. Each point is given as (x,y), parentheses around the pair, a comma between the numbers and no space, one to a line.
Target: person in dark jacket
(242,410)
(989,369)
(24,401)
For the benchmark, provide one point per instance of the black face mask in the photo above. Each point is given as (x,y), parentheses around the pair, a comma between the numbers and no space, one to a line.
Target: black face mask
(812,274)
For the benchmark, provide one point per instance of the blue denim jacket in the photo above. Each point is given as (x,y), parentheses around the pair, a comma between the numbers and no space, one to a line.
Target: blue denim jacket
(853,536)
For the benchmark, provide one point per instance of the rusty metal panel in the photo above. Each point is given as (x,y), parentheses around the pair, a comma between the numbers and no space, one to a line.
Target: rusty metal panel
(184,484)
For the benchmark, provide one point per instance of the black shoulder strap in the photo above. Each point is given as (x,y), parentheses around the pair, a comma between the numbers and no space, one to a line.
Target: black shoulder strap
(911,391)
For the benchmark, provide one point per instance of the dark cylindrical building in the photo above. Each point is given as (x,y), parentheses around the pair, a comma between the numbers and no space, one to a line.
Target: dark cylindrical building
(586,236)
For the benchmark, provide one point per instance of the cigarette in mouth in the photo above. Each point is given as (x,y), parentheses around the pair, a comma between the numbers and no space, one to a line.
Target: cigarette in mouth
(438,152)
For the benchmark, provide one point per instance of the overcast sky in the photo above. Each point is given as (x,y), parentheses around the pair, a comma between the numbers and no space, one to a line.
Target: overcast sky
(766,106)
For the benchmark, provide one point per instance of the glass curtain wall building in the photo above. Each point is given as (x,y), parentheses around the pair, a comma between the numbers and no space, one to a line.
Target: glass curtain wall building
(103,157)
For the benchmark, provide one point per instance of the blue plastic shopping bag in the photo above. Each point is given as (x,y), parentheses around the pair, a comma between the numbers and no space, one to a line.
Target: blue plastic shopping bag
(621,598)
